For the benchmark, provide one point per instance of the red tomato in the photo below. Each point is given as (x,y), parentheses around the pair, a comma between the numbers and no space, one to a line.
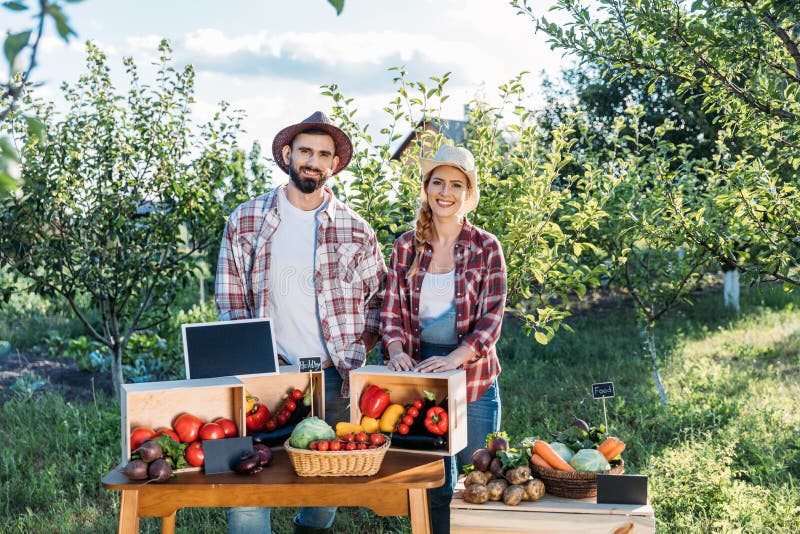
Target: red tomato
(195,455)
(348,437)
(371,447)
(362,437)
(377,439)
(140,435)
(362,446)
(286,413)
(297,394)
(402,428)
(187,427)
(408,420)
(350,446)
(290,405)
(336,445)
(271,425)
(228,426)
(211,431)
(418,404)
(281,419)
(324,445)
(169,432)
(314,445)
(413,412)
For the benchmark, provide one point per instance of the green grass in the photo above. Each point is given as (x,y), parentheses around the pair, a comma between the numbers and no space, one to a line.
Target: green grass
(722,456)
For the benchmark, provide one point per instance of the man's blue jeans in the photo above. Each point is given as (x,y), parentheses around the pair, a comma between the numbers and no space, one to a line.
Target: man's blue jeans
(483,417)
(255,520)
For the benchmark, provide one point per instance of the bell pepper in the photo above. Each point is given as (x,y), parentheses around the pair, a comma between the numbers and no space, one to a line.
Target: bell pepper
(370,424)
(391,417)
(257,418)
(344,427)
(436,421)
(374,401)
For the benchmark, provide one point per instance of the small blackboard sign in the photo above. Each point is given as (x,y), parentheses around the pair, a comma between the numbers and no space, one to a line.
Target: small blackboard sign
(221,454)
(308,365)
(229,348)
(603,390)
(621,489)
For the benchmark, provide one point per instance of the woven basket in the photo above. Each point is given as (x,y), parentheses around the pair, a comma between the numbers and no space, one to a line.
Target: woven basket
(574,485)
(308,463)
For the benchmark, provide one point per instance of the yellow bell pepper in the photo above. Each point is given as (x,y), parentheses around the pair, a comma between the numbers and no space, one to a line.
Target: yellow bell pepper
(370,424)
(344,427)
(391,416)
(250,401)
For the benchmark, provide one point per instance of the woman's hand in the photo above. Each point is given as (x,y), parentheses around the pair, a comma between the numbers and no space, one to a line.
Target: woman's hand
(400,362)
(435,364)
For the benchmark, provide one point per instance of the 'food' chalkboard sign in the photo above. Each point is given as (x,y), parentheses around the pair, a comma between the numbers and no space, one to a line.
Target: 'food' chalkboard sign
(308,365)
(604,390)
(229,348)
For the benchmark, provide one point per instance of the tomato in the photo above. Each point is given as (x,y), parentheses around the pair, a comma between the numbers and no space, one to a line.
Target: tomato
(187,426)
(418,404)
(195,455)
(271,425)
(314,445)
(286,413)
(362,446)
(372,447)
(324,445)
(281,419)
(336,445)
(256,419)
(350,446)
(349,437)
(413,412)
(211,431)
(297,394)
(140,435)
(377,439)
(361,437)
(403,429)
(228,426)
(290,405)
(408,420)
(169,432)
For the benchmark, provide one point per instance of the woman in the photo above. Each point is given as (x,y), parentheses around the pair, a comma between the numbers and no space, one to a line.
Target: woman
(444,303)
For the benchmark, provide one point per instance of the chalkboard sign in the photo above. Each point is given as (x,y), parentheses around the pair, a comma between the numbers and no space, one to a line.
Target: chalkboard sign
(603,390)
(229,348)
(621,489)
(310,364)
(222,454)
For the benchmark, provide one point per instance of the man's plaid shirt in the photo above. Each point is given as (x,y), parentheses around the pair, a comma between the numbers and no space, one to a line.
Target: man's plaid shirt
(350,274)
(480,296)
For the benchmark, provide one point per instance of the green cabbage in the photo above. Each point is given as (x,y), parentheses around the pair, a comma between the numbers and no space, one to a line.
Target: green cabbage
(562,450)
(308,430)
(589,460)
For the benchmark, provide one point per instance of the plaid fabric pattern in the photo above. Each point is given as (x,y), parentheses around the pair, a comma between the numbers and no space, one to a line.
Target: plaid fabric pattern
(350,275)
(480,295)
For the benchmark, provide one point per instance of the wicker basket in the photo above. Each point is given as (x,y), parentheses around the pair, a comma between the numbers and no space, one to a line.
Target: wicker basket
(574,485)
(308,463)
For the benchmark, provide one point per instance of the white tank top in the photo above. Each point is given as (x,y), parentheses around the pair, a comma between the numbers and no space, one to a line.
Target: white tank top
(437,296)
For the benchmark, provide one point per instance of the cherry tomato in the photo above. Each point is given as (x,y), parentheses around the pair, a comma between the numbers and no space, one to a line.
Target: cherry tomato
(140,435)
(408,420)
(271,425)
(195,455)
(402,428)
(362,446)
(314,445)
(350,446)
(349,437)
(418,404)
(377,439)
(372,447)
(297,394)
(211,431)
(228,426)
(290,405)
(361,437)
(281,419)
(286,413)
(413,412)
(336,445)
(323,445)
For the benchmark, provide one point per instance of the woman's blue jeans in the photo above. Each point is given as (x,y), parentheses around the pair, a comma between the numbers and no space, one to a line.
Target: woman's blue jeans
(256,520)
(483,417)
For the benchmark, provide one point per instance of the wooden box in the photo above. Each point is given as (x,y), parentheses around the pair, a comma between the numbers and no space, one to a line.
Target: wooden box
(157,404)
(405,386)
(271,389)
(549,515)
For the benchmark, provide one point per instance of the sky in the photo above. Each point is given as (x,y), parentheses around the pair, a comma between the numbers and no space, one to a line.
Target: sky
(269,58)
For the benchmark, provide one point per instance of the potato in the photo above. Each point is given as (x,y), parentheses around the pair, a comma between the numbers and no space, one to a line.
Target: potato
(496,487)
(475,494)
(513,494)
(518,475)
(534,489)
(476,477)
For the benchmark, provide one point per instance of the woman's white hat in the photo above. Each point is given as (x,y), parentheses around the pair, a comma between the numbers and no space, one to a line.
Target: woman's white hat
(461,159)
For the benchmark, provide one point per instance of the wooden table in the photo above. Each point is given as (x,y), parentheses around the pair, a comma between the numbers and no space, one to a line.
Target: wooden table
(398,489)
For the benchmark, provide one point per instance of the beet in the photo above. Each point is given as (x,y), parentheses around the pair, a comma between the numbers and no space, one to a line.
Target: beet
(264,454)
(159,470)
(580,423)
(481,459)
(135,470)
(149,451)
(496,468)
(498,443)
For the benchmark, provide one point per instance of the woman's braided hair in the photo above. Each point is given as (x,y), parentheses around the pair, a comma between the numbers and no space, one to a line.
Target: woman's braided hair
(422,233)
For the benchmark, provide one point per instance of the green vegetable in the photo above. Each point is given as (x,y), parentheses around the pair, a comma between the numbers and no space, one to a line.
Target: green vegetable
(589,460)
(511,458)
(174,452)
(562,450)
(308,430)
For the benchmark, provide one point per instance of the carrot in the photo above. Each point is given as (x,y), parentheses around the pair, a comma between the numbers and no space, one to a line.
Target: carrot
(619,446)
(538,460)
(543,449)
(609,443)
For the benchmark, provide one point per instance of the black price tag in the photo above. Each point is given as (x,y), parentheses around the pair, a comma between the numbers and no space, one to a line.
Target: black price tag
(308,365)
(604,390)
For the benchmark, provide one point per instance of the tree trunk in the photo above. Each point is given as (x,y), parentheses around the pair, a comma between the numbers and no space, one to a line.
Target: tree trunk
(116,370)
(650,335)
(731,289)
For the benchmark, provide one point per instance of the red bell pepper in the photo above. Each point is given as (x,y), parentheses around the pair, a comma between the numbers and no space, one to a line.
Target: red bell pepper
(256,419)
(436,420)
(374,401)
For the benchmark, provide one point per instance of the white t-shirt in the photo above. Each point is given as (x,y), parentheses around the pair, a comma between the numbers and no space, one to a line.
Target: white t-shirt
(436,297)
(292,302)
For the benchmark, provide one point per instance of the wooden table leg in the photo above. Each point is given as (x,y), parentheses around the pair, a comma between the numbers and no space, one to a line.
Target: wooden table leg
(418,510)
(129,512)
(168,524)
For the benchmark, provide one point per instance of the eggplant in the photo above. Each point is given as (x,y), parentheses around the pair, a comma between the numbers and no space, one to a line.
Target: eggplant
(419,442)
(275,438)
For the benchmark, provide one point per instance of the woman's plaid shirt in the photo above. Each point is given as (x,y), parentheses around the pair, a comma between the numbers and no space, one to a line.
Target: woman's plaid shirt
(480,287)
(350,274)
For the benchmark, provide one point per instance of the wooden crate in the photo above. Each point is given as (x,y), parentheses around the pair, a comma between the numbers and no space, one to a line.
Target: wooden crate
(271,389)
(405,386)
(549,515)
(157,404)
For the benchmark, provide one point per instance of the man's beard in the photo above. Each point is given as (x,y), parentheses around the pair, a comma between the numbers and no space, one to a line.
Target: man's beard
(307,185)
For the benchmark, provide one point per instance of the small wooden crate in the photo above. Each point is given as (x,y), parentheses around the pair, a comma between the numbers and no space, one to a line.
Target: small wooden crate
(405,386)
(157,404)
(272,389)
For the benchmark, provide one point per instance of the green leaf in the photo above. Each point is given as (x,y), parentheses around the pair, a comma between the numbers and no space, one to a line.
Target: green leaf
(61,21)
(338,5)
(541,338)
(15,6)
(14,44)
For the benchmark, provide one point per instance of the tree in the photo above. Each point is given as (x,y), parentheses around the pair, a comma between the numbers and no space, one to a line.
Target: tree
(741,59)
(119,197)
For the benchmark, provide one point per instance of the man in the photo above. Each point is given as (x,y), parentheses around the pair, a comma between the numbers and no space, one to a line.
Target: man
(301,257)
